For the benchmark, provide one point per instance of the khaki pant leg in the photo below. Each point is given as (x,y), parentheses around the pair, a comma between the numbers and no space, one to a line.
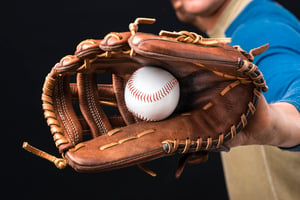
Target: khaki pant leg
(262,172)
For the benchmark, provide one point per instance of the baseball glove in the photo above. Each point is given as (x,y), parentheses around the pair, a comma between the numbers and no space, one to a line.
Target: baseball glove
(219,90)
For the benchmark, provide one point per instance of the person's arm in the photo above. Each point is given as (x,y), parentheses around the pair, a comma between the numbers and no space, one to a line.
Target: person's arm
(286,124)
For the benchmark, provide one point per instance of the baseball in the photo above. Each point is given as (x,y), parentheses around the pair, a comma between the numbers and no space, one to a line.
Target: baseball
(152,93)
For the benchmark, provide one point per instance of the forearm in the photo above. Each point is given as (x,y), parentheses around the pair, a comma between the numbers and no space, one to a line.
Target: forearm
(285,125)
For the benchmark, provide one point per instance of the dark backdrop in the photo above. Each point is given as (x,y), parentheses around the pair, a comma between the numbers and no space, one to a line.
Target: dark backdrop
(35,35)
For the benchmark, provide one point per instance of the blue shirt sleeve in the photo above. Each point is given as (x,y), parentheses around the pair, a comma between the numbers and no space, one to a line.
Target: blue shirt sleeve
(280,64)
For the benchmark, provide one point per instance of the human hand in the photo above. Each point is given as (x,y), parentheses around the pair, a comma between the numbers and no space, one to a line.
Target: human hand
(275,124)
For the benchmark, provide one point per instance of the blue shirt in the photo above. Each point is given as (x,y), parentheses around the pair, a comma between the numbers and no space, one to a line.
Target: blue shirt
(265,21)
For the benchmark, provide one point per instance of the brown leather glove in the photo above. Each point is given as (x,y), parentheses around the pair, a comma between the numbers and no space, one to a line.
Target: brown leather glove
(219,89)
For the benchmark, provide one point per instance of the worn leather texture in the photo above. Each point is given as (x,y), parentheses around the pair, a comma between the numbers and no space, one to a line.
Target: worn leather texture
(219,90)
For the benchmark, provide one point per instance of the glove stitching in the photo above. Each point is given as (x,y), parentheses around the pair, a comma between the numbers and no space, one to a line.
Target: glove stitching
(207,106)
(64,114)
(49,113)
(176,145)
(229,87)
(92,106)
(252,71)
(114,131)
(188,145)
(122,141)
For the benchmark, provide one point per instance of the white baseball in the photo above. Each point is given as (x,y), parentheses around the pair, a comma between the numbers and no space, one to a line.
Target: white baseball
(152,93)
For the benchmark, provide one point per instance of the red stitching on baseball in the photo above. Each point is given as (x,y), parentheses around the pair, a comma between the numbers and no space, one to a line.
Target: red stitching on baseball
(164,91)
(140,116)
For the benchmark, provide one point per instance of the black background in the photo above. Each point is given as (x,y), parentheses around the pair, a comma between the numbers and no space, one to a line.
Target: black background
(35,35)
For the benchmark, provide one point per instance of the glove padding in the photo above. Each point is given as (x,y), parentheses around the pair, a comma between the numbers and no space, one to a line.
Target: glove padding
(219,90)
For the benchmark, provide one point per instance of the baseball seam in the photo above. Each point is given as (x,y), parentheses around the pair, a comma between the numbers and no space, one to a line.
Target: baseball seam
(156,96)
